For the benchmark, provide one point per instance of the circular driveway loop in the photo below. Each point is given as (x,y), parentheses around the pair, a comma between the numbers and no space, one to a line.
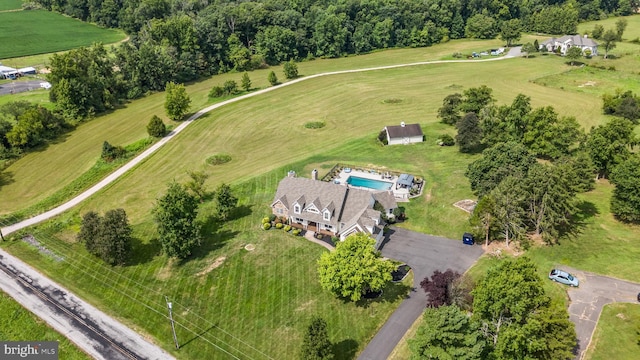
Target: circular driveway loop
(587,301)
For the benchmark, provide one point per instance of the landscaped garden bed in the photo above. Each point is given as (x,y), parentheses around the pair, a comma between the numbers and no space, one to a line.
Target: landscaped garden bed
(400,273)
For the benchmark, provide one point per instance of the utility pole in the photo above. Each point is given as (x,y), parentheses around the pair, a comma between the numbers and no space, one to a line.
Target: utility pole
(173,328)
(1,236)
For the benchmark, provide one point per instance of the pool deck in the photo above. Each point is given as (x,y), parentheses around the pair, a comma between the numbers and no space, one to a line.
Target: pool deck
(400,193)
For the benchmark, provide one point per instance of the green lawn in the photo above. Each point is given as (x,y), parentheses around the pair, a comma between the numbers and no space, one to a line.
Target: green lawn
(18,324)
(617,334)
(38,31)
(253,304)
(592,80)
(10,5)
(632,31)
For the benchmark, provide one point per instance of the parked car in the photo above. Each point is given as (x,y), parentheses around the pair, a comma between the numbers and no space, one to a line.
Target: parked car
(563,277)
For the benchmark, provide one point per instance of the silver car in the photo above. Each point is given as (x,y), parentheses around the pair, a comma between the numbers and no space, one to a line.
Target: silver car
(563,277)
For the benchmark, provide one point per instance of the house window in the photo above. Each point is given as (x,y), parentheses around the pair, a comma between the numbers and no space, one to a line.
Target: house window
(328,227)
(313,210)
(326,215)
(296,209)
(279,211)
(298,220)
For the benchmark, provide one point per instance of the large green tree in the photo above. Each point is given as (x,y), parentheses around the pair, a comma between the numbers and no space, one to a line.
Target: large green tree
(225,201)
(449,113)
(107,237)
(475,99)
(609,39)
(625,202)
(497,163)
(483,218)
(175,216)
(177,101)
(510,213)
(481,26)
(511,31)
(609,144)
(573,54)
(447,333)
(354,268)
(316,344)
(469,137)
(517,317)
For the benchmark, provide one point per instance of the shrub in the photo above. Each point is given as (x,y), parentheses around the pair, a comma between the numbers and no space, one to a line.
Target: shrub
(265,220)
(278,221)
(319,236)
(218,159)
(287,228)
(216,92)
(315,125)
(230,87)
(382,137)
(110,152)
(272,217)
(266,226)
(457,55)
(279,226)
(156,127)
(290,69)
(445,140)
(296,232)
(272,78)
(437,287)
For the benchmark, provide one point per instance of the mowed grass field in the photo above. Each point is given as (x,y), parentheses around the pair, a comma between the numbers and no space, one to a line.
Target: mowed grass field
(37,31)
(18,324)
(10,5)
(616,336)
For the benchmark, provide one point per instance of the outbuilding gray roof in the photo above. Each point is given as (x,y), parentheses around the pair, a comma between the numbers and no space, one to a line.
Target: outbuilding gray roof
(408,130)
(405,179)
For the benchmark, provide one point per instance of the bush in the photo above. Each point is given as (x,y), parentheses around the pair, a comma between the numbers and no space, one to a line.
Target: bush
(266,226)
(156,127)
(218,159)
(265,220)
(290,69)
(230,87)
(110,152)
(457,55)
(296,232)
(382,137)
(272,217)
(445,140)
(315,125)
(272,78)
(279,226)
(216,92)
(287,228)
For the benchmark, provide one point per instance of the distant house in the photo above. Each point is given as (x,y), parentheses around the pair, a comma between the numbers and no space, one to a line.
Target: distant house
(332,209)
(8,72)
(568,41)
(404,134)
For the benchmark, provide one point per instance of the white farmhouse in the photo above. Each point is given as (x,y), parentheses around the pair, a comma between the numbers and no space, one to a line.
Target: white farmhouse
(569,41)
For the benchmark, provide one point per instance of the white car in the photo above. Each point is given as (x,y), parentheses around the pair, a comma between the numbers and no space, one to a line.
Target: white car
(45,85)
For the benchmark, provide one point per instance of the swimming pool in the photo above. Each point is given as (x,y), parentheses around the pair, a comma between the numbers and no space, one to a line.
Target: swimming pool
(369,183)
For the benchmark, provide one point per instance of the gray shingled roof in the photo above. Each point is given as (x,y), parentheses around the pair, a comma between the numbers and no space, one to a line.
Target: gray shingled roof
(302,188)
(574,39)
(386,199)
(399,131)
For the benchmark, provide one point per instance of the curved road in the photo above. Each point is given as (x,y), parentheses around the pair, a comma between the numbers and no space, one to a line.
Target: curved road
(92,330)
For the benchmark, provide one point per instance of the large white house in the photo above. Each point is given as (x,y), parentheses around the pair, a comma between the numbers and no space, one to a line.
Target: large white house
(330,208)
(569,41)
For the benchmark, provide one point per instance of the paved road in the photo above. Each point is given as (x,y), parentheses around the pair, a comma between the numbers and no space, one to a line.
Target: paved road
(97,334)
(425,254)
(587,301)
(19,86)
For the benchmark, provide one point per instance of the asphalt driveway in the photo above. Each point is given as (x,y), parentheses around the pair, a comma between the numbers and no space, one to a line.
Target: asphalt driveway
(425,254)
(15,87)
(587,301)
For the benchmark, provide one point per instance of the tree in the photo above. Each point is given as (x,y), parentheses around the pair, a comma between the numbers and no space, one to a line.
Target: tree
(175,216)
(510,31)
(449,113)
(177,101)
(245,83)
(574,53)
(483,219)
(230,87)
(156,127)
(527,49)
(354,268)
(316,344)
(496,163)
(110,152)
(89,231)
(516,316)
(481,26)
(196,184)
(469,135)
(608,144)
(625,202)
(536,45)
(621,25)
(446,333)
(290,69)
(609,39)
(272,78)
(437,288)
(510,214)
(547,136)
(597,31)
(225,201)
(114,237)
(475,99)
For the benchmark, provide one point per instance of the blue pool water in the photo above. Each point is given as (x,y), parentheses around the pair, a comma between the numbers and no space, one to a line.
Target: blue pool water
(369,183)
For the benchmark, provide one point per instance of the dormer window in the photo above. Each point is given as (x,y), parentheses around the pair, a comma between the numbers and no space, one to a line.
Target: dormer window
(296,208)
(326,215)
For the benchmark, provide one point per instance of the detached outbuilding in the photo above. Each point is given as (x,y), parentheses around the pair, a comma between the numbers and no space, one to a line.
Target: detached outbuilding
(404,134)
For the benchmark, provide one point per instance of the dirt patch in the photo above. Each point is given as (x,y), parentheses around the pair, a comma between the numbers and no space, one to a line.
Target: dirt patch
(498,249)
(621,316)
(30,239)
(249,247)
(165,272)
(306,305)
(466,205)
(216,263)
(588,83)
(427,196)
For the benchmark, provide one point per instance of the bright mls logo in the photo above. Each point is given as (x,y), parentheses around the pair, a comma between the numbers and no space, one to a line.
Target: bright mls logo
(32,350)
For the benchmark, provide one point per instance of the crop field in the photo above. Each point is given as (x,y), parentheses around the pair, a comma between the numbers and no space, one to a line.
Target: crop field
(616,336)
(37,31)
(10,5)
(26,326)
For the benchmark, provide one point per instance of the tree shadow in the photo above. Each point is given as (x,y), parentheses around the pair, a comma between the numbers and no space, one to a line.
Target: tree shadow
(210,243)
(142,252)
(6,178)
(240,211)
(392,292)
(199,335)
(586,211)
(345,349)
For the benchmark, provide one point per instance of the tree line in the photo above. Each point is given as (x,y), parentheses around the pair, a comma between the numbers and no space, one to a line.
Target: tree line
(180,41)
(521,196)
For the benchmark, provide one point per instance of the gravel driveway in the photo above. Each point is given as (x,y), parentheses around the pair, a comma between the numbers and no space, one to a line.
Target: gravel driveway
(587,301)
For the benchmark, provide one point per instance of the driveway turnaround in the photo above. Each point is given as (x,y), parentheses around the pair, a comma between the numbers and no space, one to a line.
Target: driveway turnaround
(425,254)
(15,87)
(99,335)
(587,301)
